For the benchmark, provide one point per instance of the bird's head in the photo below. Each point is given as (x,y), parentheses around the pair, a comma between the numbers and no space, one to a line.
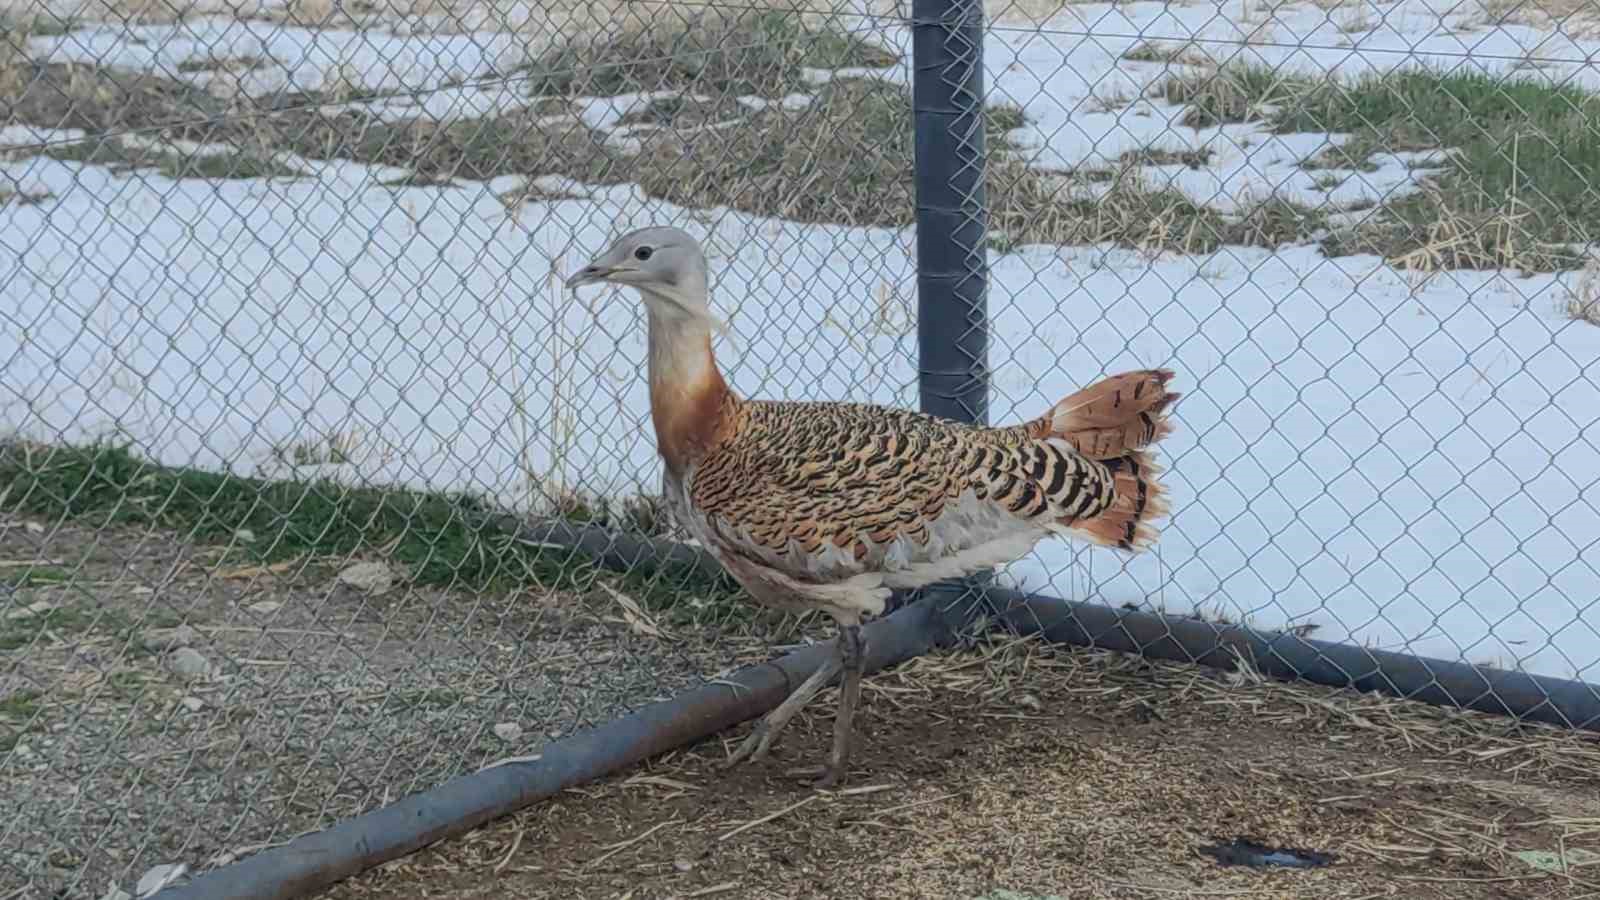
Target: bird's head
(665,264)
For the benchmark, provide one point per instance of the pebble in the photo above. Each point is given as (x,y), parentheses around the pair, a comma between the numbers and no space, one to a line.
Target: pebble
(159,877)
(373,577)
(508,731)
(188,662)
(169,638)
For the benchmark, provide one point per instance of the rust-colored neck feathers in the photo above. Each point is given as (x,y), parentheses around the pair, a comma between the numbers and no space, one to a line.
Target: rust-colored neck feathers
(689,401)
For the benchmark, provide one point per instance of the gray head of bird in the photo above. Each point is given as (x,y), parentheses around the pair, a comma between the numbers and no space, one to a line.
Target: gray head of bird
(664,264)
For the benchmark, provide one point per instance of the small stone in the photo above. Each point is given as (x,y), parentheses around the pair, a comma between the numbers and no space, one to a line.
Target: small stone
(169,638)
(159,877)
(265,607)
(373,577)
(245,534)
(682,865)
(193,704)
(508,731)
(188,662)
(32,609)
(1030,701)
(116,893)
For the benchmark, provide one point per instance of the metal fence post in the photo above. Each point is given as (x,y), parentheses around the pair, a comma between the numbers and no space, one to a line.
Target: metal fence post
(952,211)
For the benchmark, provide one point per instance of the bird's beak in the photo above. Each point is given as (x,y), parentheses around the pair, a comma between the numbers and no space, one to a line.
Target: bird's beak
(588,275)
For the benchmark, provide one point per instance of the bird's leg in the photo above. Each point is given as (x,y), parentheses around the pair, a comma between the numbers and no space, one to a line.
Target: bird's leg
(760,740)
(853,655)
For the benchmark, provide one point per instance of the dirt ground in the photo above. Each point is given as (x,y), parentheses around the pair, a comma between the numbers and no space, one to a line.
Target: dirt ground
(160,704)
(1018,771)
(1006,770)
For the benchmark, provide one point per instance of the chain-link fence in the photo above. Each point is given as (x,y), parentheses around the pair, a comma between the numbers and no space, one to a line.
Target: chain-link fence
(286,365)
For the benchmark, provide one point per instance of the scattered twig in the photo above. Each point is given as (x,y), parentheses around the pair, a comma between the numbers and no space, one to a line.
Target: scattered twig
(864,789)
(768,818)
(515,843)
(722,888)
(905,806)
(512,759)
(1444,879)
(614,849)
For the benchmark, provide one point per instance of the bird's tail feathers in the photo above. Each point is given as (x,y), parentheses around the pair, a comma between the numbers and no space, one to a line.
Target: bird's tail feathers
(1139,499)
(1114,416)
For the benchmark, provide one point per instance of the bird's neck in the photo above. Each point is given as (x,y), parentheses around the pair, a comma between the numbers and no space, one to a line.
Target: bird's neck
(689,401)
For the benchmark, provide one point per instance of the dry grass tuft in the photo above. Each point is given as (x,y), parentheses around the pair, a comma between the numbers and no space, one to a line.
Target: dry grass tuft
(1162,156)
(1182,54)
(1516,191)
(686,112)
(1574,18)
(847,158)
(1232,94)
(1125,209)
(1431,231)
(709,51)
(15,64)
(1356,20)
(1042,768)
(1583,302)
(844,158)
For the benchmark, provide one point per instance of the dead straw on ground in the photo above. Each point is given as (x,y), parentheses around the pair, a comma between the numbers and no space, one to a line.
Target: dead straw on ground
(1406,792)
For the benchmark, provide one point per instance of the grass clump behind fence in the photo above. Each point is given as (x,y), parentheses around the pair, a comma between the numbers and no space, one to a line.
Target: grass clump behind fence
(749,52)
(1520,187)
(836,150)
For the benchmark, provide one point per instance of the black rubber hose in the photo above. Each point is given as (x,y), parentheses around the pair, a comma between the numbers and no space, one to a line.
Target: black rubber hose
(315,861)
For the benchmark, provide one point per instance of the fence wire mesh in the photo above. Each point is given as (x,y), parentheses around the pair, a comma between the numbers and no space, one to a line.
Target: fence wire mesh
(284,343)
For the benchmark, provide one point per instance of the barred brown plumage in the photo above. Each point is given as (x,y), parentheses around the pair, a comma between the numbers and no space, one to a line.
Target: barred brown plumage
(831,506)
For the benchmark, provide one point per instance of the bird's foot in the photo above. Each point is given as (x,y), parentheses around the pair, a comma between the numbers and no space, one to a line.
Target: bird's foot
(833,775)
(757,744)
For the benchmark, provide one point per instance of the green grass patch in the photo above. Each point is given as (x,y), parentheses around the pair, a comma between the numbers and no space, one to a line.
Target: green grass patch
(17,712)
(34,576)
(748,52)
(65,621)
(20,705)
(1520,188)
(441,540)
(64,616)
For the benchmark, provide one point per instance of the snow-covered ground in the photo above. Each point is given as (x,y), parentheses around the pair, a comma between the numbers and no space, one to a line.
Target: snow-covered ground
(1403,462)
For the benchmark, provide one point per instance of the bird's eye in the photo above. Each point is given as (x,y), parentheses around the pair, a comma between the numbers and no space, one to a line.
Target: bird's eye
(642,254)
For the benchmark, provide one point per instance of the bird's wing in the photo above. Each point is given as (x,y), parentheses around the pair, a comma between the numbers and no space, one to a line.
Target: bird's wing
(821,492)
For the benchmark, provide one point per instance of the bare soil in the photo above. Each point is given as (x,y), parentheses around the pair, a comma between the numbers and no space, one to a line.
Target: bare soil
(1009,766)
(160,703)
(1024,771)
